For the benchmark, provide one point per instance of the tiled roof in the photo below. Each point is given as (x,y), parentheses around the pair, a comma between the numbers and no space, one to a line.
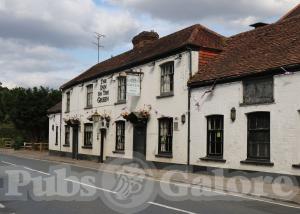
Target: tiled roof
(55,109)
(196,36)
(294,12)
(255,51)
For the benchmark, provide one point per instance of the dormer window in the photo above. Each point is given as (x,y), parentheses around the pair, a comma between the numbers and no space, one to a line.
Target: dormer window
(167,79)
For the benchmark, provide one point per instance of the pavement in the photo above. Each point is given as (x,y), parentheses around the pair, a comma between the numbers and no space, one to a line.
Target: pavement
(109,188)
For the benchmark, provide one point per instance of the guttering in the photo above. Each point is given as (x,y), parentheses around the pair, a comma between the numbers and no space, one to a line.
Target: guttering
(234,78)
(130,65)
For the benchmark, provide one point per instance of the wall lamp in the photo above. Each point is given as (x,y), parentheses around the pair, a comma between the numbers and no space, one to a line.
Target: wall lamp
(233,114)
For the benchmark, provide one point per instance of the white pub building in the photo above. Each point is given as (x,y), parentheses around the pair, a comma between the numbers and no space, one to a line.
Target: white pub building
(134,104)
(192,98)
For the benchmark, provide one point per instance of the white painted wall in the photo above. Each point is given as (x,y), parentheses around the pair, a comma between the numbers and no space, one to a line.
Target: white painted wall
(173,106)
(54,120)
(285,124)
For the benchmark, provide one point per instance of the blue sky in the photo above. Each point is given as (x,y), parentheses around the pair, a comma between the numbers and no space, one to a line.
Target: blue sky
(46,42)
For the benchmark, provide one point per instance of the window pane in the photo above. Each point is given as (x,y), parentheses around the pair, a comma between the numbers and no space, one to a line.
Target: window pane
(215,135)
(165,135)
(167,73)
(259,135)
(258,91)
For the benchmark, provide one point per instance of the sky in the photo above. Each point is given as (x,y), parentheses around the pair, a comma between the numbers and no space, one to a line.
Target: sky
(48,42)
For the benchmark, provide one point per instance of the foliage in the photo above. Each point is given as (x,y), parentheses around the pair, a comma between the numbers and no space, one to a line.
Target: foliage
(19,142)
(26,109)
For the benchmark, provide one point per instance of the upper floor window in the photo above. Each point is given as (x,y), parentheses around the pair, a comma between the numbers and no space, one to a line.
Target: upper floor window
(215,139)
(89,96)
(120,135)
(259,135)
(68,100)
(67,135)
(165,135)
(121,89)
(258,91)
(88,134)
(167,78)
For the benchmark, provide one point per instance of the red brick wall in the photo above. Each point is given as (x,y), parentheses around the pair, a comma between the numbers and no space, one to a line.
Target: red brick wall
(205,56)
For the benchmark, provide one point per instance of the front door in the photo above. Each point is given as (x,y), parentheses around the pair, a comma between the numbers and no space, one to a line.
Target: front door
(103,134)
(75,143)
(139,141)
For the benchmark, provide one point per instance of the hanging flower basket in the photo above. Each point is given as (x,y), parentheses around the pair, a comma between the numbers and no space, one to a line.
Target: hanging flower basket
(75,121)
(67,121)
(125,115)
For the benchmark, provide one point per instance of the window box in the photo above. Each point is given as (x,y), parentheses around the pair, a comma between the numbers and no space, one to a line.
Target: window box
(257,162)
(88,107)
(119,152)
(66,145)
(164,155)
(258,103)
(297,166)
(164,95)
(213,159)
(120,102)
(87,147)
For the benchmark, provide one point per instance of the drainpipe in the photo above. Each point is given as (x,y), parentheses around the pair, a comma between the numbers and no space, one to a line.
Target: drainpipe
(189,110)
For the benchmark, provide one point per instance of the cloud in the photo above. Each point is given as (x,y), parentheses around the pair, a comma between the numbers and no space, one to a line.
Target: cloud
(69,23)
(37,38)
(234,15)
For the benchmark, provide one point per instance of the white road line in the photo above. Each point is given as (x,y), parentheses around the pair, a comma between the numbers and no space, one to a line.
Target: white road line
(12,164)
(88,185)
(2,206)
(171,208)
(221,192)
(34,170)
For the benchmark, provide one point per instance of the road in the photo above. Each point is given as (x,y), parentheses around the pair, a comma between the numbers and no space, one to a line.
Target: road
(158,197)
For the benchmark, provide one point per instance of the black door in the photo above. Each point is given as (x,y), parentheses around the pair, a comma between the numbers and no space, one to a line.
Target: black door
(75,143)
(139,141)
(103,134)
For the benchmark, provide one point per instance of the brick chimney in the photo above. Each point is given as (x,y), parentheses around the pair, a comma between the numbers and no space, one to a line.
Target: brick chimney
(144,38)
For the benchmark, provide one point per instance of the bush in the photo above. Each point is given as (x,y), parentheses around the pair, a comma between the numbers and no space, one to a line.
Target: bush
(2,143)
(19,142)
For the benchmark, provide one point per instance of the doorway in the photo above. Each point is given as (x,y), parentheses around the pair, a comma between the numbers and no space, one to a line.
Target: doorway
(139,140)
(75,143)
(103,134)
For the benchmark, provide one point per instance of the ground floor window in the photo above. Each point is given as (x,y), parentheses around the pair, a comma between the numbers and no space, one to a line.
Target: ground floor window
(56,135)
(259,135)
(88,134)
(120,135)
(215,132)
(67,135)
(165,135)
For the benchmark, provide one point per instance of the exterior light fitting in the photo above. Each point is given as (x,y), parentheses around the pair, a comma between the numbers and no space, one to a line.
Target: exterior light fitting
(233,114)
(96,116)
(183,119)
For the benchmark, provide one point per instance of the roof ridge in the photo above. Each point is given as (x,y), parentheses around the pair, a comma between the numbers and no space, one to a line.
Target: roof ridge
(297,7)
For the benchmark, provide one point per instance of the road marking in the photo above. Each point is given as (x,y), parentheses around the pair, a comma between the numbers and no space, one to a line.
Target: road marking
(2,206)
(88,185)
(12,164)
(34,170)
(221,192)
(171,208)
